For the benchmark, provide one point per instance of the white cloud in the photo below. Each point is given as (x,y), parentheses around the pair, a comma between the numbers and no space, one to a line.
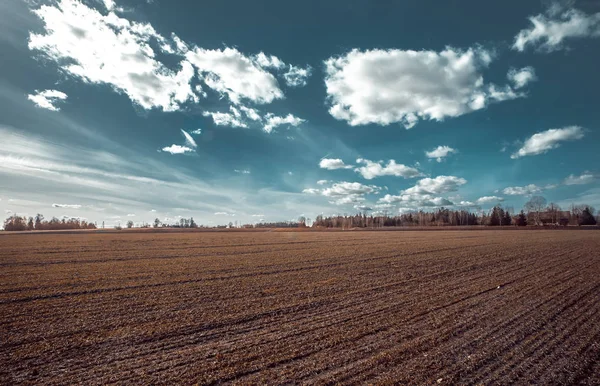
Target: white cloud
(297,76)
(333,164)
(363,208)
(272,121)
(47,99)
(520,78)
(469,204)
(239,77)
(348,200)
(548,32)
(345,193)
(311,191)
(108,49)
(415,200)
(372,169)
(241,117)
(522,190)
(437,185)
(70,206)
(109,4)
(196,132)
(233,119)
(224,214)
(242,171)
(131,215)
(322,182)
(440,152)
(546,140)
(389,86)
(349,188)
(251,113)
(100,47)
(189,140)
(585,178)
(268,61)
(177,149)
(489,199)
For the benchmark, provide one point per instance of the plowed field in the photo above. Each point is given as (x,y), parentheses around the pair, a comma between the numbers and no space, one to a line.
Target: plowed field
(443,307)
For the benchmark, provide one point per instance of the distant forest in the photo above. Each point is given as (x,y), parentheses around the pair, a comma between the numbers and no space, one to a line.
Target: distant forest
(18,223)
(536,212)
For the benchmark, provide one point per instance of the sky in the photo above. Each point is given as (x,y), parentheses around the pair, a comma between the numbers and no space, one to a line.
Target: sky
(118,110)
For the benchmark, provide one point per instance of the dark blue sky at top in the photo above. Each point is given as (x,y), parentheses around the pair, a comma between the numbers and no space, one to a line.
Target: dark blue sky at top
(96,118)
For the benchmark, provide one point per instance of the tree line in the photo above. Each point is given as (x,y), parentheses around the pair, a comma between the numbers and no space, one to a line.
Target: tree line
(21,223)
(535,212)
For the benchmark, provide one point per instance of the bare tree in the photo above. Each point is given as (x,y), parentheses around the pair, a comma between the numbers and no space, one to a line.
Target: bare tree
(535,205)
(553,210)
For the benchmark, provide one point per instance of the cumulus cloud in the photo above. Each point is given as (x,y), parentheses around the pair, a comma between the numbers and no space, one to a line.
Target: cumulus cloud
(344,193)
(489,199)
(189,140)
(242,116)
(177,149)
(251,114)
(415,200)
(108,49)
(268,61)
(437,185)
(333,164)
(546,140)
(349,188)
(322,182)
(47,99)
(372,169)
(440,152)
(425,191)
(100,47)
(522,77)
(548,32)
(405,86)
(196,132)
(235,75)
(522,190)
(297,76)
(69,206)
(585,178)
(272,121)
(363,208)
(233,118)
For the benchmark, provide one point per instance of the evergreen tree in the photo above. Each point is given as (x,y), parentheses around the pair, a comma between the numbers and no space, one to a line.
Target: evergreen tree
(522,219)
(587,218)
(507,218)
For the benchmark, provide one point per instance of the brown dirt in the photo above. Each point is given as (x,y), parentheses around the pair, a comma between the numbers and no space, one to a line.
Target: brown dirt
(447,307)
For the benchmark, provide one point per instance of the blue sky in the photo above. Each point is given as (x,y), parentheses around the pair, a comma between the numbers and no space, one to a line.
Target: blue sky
(248,111)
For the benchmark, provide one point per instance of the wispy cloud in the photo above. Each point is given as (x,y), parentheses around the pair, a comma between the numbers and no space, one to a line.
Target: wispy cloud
(544,141)
(70,206)
(47,99)
(189,140)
